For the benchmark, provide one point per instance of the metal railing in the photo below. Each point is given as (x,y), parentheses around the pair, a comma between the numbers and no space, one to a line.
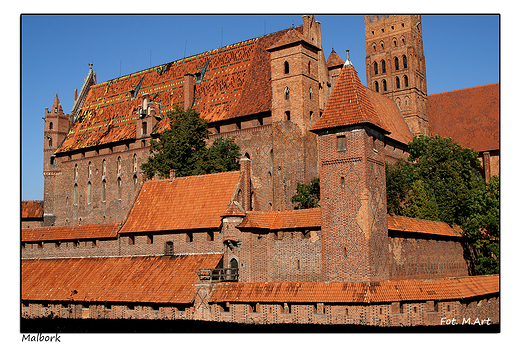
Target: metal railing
(218,274)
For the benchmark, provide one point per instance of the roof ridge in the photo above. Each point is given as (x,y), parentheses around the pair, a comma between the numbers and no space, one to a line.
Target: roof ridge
(468,88)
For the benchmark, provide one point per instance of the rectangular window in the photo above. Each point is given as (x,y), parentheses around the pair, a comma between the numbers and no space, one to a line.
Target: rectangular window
(211,236)
(131,240)
(189,237)
(149,239)
(144,129)
(342,143)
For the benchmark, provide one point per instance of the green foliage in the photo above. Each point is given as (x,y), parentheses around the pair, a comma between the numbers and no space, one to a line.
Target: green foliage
(420,203)
(307,195)
(442,182)
(182,147)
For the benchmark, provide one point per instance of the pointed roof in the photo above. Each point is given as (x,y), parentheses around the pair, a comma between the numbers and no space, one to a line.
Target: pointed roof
(234,209)
(348,104)
(334,60)
(56,104)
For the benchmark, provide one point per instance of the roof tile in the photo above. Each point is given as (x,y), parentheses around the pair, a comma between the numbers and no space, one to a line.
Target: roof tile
(93,231)
(32,209)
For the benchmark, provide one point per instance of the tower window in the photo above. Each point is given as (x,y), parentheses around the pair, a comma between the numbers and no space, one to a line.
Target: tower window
(383,66)
(135,163)
(103,190)
(118,188)
(89,192)
(50,125)
(405,61)
(286,67)
(406,81)
(342,143)
(287,115)
(53,160)
(75,194)
(169,248)
(310,93)
(375,67)
(376,86)
(397,83)
(135,182)
(309,67)
(144,129)
(396,61)
(384,85)
(119,165)
(286,92)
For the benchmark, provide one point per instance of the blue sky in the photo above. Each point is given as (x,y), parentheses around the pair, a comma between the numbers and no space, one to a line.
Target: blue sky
(461,51)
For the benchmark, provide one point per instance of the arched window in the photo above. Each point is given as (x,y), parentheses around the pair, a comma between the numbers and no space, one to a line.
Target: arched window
(374,46)
(310,93)
(135,163)
(104,168)
(376,86)
(75,194)
(402,41)
(406,81)
(233,263)
(286,67)
(397,83)
(76,171)
(169,248)
(395,42)
(286,92)
(50,141)
(89,171)
(405,61)
(103,190)
(396,61)
(309,67)
(89,192)
(118,188)
(50,125)
(384,84)
(135,182)
(375,67)
(383,66)
(119,165)
(382,46)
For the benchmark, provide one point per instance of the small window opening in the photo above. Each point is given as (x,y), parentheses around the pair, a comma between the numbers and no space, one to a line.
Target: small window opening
(342,143)
(169,248)
(131,240)
(144,129)
(118,188)
(103,190)
(210,236)
(287,115)
(310,93)
(383,66)
(75,194)
(286,67)
(149,239)
(397,83)
(286,92)
(384,85)
(309,67)
(53,160)
(298,264)
(89,192)
(405,61)
(376,86)
(375,67)
(396,61)
(406,81)
(50,126)
(342,182)
(189,237)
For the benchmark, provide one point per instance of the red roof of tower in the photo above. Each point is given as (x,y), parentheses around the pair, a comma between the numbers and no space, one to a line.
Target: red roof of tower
(194,202)
(348,104)
(470,116)
(334,60)
(235,81)
(32,209)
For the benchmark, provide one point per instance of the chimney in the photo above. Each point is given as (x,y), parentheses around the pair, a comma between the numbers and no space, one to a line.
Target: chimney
(172,175)
(189,90)
(245,183)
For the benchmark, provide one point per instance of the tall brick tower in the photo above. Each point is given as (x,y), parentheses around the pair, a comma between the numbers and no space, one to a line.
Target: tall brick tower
(395,65)
(297,63)
(56,127)
(353,188)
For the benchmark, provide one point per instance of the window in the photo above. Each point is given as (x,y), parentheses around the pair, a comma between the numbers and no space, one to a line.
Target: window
(76,171)
(135,163)
(383,66)
(89,171)
(118,188)
(396,62)
(50,126)
(134,179)
(103,190)
(119,165)
(75,194)
(50,141)
(286,92)
(342,143)
(210,236)
(104,168)
(309,67)
(286,67)
(287,115)
(384,85)
(310,93)
(376,86)
(342,182)
(169,248)
(406,81)
(189,237)
(149,239)
(144,129)
(131,240)
(53,160)
(397,83)
(89,192)
(375,67)
(405,61)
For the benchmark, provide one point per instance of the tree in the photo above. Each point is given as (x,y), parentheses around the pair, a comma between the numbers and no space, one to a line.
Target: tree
(182,147)
(441,180)
(307,195)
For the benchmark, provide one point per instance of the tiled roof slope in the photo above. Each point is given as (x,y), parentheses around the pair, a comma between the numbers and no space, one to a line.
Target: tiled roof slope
(32,209)
(235,82)
(361,292)
(195,202)
(351,103)
(292,36)
(304,218)
(94,231)
(469,116)
(408,224)
(160,279)
(334,60)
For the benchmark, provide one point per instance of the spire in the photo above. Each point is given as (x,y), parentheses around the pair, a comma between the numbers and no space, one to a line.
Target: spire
(56,105)
(349,103)
(348,62)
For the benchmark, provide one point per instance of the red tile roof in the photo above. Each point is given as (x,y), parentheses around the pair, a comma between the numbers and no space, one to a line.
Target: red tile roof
(304,218)
(469,116)
(352,292)
(234,209)
(351,103)
(334,60)
(408,224)
(94,231)
(292,36)
(195,202)
(32,209)
(236,82)
(160,279)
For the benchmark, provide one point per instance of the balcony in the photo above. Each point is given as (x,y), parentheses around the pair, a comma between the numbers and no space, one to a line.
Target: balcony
(217,275)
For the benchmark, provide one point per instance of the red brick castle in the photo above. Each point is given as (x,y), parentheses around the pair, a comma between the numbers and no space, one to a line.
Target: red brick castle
(107,243)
